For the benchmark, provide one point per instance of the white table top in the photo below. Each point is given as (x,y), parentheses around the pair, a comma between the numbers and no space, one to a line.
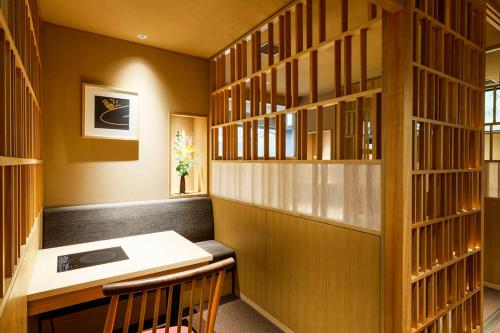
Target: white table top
(148,254)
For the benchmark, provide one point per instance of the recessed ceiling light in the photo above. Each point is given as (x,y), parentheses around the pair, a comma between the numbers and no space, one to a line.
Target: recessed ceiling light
(142,36)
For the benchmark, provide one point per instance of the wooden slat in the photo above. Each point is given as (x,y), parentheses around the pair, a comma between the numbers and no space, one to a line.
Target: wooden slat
(347,65)
(326,44)
(299,26)
(309,24)
(338,68)
(270,42)
(363,59)
(232,66)
(340,130)
(313,78)
(359,128)
(319,133)
(322,20)
(281,22)
(344,15)
(288,34)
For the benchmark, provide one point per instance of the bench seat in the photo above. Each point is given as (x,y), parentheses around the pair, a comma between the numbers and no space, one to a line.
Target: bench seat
(192,218)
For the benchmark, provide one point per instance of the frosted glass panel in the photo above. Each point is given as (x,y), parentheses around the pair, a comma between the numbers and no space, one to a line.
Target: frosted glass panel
(257,185)
(303,188)
(343,193)
(246,182)
(334,201)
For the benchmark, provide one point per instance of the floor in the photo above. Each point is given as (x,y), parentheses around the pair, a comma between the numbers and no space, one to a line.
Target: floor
(491,310)
(236,316)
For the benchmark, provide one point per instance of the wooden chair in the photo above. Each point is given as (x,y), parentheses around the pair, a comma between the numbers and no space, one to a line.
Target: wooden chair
(208,279)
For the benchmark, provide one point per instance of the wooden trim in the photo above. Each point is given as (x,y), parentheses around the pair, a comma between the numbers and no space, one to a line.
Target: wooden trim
(265,314)
(9,161)
(310,106)
(296,161)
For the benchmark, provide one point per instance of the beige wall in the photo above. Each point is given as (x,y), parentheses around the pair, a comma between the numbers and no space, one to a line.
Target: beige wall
(85,171)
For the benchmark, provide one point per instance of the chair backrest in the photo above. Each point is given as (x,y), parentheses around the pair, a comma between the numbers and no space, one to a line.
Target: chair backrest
(206,282)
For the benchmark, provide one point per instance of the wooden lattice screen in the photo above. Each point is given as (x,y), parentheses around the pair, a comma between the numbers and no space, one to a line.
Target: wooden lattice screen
(20,132)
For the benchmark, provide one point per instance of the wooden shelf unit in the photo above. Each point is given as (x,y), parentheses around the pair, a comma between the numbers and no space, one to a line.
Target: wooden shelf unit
(21,166)
(446,227)
(245,99)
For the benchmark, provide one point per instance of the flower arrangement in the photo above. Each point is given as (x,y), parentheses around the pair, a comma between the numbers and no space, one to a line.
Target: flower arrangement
(186,155)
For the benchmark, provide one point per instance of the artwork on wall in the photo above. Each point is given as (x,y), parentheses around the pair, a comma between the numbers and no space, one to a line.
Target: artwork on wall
(109,113)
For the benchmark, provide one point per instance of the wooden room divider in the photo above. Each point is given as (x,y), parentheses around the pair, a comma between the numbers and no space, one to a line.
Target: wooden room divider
(330,100)
(20,152)
(433,181)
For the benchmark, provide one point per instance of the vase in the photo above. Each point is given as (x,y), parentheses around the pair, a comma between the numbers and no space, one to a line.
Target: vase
(182,185)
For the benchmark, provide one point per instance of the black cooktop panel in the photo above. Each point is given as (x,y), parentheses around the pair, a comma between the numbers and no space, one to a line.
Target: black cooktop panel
(90,258)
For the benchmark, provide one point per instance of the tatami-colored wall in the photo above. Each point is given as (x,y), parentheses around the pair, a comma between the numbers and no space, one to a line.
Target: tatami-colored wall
(85,171)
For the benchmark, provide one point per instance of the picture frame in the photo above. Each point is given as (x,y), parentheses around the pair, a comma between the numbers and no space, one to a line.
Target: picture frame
(109,113)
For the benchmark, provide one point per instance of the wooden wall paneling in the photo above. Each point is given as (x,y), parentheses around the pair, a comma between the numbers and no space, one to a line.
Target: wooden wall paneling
(242,227)
(308,289)
(491,234)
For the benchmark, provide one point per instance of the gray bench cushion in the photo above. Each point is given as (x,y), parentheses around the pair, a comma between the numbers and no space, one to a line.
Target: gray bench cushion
(191,218)
(218,250)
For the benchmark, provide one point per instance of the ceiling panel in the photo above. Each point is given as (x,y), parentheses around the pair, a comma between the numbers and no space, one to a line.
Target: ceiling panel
(195,27)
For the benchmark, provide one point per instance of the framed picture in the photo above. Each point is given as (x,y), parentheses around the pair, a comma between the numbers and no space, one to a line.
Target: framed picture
(109,113)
